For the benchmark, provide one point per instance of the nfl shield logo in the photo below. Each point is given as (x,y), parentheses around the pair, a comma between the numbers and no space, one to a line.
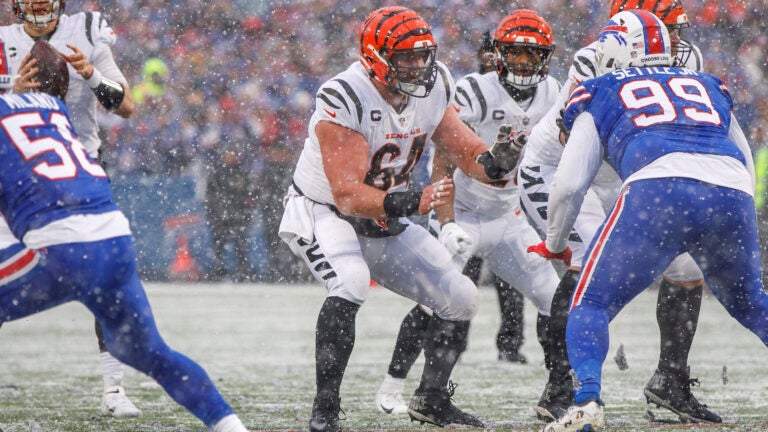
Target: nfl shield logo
(402,121)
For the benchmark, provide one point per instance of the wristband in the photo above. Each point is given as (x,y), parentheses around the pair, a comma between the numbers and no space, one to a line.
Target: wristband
(397,204)
(95,79)
(109,93)
(447,222)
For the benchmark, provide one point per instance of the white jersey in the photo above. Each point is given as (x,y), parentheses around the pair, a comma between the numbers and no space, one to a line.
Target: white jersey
(484,104)
(396,140)
(6,236)
(345,256)
(91,34)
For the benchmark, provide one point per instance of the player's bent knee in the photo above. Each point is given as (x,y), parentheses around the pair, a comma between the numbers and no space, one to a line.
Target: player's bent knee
(351,284)
(463,301)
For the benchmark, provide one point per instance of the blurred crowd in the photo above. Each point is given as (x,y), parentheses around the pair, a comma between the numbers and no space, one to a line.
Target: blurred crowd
(239,76)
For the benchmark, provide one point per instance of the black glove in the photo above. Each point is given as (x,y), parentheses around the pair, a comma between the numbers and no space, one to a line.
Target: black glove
(503,155)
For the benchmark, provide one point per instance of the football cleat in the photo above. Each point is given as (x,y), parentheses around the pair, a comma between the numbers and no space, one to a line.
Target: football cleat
(587,417)
(672,391)
(389,397)
(325,414)
(435,407)
(116,404)
(512,357)
(555,400)
(230,423)
(391,403)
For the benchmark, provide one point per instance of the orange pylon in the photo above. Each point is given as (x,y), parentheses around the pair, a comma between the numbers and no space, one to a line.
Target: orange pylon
(183,266)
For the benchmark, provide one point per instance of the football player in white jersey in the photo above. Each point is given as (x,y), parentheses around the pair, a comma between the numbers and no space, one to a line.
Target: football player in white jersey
(511,334)
(680,291)
(345,214)
(85,39)
(486,219)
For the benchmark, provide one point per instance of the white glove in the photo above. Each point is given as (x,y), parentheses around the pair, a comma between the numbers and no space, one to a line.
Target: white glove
(454,238)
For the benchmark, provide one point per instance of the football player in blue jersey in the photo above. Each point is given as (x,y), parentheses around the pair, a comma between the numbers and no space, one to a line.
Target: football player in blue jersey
(85,38)
(680,287)
(688,186)
(76,246)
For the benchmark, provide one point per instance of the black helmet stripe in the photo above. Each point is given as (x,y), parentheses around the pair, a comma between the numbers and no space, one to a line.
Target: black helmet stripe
(415,32)
(655,9)
(668,11)
(378,27)
(525,28)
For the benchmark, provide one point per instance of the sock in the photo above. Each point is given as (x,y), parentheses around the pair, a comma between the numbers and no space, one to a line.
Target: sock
(443,344)
(558,321)
(511,331)
(410,340)
(677,312)
(392,385)
(111,370)
(334,340)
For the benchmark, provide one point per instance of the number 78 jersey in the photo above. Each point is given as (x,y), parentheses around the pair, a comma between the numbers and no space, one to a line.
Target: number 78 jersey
(642,114)
(46,174)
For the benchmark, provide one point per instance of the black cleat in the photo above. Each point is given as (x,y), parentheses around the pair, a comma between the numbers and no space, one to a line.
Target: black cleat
(555,400)
(672,390)
(512,357)
(325,414)
(435,407)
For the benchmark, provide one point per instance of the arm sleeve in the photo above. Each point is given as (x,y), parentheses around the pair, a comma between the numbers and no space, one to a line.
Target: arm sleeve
(581,160)
(104,62)
(102,58)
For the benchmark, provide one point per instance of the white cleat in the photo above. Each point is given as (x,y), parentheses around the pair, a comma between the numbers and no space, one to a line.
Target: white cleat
(391,403)
(587,417)
(230,423)
(115,403)
(389,398)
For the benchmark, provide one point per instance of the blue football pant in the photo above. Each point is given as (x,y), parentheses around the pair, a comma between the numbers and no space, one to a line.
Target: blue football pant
(102,276)
(653,221)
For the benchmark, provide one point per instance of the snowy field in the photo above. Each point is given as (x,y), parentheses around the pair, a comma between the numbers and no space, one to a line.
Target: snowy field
(257,342)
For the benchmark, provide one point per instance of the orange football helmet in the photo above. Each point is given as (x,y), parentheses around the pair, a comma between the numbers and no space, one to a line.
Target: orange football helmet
(397,49)
(671,13)
(524,45)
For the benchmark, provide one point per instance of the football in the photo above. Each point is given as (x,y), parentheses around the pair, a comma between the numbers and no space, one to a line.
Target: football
(53,74)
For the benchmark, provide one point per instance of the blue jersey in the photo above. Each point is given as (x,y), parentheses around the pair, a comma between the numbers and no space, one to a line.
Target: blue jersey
(46,173)
(644,113)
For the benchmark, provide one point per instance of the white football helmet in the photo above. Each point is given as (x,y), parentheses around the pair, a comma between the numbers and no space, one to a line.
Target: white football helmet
(38,12)
(634,38)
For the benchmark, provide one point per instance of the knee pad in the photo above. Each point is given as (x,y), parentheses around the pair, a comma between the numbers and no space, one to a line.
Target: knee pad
(464,299)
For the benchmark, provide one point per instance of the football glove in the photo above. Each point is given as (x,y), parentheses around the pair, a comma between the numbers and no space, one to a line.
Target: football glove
(504,153)
(542,251)
(454,238)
